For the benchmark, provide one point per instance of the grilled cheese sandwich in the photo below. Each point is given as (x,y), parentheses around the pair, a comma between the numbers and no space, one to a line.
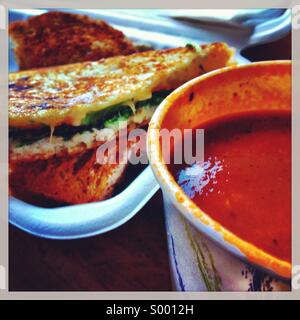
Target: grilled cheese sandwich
(61,110)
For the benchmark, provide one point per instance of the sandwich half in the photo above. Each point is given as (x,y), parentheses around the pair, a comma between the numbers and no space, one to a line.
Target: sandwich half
(59,113)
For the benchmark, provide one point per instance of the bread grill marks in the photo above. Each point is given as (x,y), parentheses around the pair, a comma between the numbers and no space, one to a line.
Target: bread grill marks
(65,94)
(71,179)
(57,38)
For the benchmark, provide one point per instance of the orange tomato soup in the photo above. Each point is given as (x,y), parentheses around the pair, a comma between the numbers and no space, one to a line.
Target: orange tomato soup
(244,182)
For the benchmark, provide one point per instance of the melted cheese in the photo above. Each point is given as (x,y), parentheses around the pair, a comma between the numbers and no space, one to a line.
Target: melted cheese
(45,148)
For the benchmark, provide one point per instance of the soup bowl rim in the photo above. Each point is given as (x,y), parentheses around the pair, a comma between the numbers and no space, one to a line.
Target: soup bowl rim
(197,217)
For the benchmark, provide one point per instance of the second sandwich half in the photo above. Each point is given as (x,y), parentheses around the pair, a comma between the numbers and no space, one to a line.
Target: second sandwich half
(57,114)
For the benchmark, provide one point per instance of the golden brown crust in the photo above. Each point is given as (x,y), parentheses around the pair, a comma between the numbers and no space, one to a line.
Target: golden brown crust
(57,38)
(71,179)
(65,94)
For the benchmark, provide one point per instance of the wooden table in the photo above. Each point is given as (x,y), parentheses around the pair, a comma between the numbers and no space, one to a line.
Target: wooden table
(132,257)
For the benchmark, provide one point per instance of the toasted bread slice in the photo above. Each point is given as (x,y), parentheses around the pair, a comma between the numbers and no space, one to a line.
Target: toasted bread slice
(66,94)
(70,179)
(57,38)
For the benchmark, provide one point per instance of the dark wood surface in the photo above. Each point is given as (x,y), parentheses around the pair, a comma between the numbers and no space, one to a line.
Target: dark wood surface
(132,257)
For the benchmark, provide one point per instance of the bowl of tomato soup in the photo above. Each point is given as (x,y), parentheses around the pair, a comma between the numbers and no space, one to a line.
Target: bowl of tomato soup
(228,212)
